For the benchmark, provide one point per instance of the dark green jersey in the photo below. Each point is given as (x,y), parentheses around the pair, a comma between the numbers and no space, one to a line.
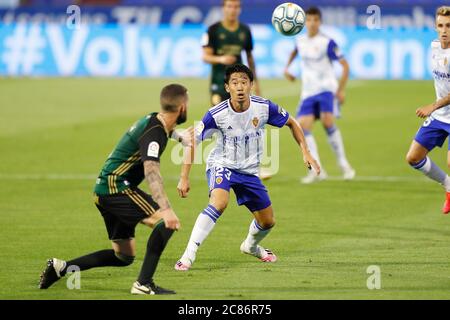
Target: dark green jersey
(145,140)
(225,42)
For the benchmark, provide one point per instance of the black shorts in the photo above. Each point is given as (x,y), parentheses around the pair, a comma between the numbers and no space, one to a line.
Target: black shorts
(123,211)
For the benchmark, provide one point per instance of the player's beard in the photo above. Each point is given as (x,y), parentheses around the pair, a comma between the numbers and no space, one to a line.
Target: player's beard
(182,117)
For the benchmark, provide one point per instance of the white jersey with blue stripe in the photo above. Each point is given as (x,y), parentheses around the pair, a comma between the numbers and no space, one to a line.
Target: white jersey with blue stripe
(317,54)
(441,74)
(239,135)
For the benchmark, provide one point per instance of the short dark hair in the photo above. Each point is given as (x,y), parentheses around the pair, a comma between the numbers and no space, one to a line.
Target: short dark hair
(314,11)
(237,68)
(171,96)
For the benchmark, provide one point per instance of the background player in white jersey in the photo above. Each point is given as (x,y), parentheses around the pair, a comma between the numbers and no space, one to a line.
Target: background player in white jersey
(436,127)
(321,91)
(239,124)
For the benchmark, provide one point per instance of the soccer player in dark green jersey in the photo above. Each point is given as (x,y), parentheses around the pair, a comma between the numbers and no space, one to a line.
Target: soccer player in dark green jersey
(122,205)
(222,46)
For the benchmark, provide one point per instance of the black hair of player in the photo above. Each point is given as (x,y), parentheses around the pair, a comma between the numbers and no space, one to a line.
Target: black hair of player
(171,95)
(314,11)
(238,68)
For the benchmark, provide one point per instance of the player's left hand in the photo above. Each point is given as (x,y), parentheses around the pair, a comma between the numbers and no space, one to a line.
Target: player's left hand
(311,163)
(425,111)
(183,187)
(340,96)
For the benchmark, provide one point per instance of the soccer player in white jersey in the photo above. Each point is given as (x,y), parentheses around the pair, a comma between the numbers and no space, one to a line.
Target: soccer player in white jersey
(239,125)
(436,128)
(321,91)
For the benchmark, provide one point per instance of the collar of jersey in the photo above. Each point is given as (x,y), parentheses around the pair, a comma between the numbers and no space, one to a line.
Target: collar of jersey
(231,107)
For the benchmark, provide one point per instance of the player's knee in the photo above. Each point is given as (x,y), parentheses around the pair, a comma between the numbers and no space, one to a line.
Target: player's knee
(267,223)
(306,125)
(412,158)
(124,259)
(220,206)
(328,123)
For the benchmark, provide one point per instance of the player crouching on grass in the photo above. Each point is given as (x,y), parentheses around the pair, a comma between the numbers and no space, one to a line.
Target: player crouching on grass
(436,127)
(234,163)
(123,205)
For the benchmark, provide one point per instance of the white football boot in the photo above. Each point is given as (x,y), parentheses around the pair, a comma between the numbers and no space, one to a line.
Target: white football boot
(265,255)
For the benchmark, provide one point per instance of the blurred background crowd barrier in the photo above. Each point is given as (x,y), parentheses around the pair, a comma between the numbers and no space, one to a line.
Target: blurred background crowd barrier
(161,38)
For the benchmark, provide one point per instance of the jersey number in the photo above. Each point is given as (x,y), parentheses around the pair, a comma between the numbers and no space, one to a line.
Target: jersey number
(221,171)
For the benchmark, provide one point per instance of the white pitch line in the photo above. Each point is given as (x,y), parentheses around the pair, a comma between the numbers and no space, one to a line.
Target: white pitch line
(92,177)
(291,91)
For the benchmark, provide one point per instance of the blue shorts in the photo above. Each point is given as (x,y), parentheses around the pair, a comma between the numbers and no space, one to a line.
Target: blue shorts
(322,102)
(433,133)
(248,188)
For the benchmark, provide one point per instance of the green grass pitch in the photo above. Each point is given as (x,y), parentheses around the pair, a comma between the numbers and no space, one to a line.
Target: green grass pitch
(56,133)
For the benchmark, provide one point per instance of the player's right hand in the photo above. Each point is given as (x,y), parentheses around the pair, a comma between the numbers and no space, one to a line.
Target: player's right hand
(170,219)
(311,163)
(424,112)
(228,60)
(183,187)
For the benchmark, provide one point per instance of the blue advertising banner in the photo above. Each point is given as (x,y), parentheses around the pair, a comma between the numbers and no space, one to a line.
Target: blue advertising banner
(137,51)
(407,14)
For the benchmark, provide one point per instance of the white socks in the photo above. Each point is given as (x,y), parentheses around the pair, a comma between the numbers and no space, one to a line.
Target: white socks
(255,235)
(312,145)
(337,144)
(203,226)
(432,171)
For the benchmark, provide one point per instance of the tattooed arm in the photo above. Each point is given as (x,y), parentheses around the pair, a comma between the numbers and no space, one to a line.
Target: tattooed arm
(155,184)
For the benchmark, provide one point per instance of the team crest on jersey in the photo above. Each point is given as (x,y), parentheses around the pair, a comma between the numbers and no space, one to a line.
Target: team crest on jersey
(219,180)
(255,121)
(242,36)
(222,36)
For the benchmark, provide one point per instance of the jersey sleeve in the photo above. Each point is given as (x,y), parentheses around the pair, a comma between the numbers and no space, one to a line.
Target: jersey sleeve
(208,38)
(205,128)
(333,51)
(152,143)
(277,115)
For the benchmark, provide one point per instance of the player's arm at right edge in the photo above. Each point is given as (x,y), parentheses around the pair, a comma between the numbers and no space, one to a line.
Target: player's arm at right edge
(425,111)
(334,54)
(203,130)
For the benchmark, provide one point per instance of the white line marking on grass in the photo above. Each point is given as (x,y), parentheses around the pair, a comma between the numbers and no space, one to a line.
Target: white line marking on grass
(92,177)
